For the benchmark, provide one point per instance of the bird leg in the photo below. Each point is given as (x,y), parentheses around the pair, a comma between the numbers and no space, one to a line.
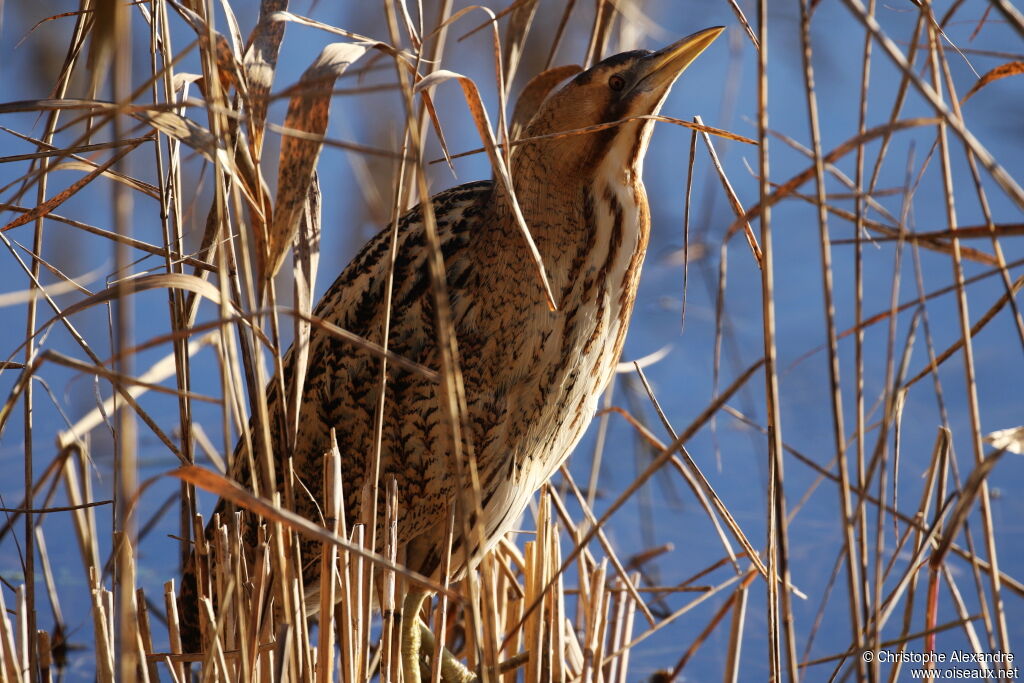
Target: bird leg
(417,637)
(410,643)
(452,670)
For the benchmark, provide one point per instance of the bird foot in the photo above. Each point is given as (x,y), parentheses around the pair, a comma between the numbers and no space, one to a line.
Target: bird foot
(417,638)
(452,670)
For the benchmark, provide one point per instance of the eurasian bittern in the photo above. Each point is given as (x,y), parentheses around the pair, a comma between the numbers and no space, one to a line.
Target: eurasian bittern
(532,375)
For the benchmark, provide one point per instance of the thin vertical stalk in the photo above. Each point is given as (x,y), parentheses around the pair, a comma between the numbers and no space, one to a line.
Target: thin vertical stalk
(778,551)
(968,355)
(126,472)
(860,523)
(839,431)
(170,184)
(30,324)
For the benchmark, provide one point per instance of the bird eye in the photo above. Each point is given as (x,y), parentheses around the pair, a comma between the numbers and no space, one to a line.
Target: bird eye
(616,82)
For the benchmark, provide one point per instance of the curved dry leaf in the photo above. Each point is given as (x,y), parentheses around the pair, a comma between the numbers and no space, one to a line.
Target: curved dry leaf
(1001,71)
(203,141)
(499,77)
(134,183)
(428,103)
(535,92)
(627,366)
(184,130)
(308,112)
(1011,439)
(260,63)
(312,23)
(227,63)
(233,28)
(182,79)
(483,126)
(190,283)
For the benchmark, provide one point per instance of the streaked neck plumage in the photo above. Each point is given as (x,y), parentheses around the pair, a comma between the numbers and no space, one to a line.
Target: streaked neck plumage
(571,189)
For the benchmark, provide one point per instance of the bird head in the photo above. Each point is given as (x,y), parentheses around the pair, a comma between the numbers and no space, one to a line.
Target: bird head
(628,84)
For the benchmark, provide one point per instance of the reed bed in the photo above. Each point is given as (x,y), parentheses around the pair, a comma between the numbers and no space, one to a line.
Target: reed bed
(179,311)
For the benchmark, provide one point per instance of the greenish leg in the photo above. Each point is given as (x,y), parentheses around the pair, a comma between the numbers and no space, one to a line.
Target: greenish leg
(418,638)
(410,642)
(452,670)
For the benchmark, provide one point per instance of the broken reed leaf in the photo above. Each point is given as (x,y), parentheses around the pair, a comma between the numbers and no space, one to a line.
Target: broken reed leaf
(535,92)
(1011,439)
(308,111)
(1001,71)
(501,171)
(184,130)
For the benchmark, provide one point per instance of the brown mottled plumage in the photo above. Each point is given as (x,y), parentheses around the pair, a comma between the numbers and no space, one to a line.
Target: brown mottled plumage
(532,376)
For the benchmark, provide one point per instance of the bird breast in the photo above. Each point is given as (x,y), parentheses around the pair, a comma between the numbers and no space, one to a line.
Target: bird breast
(595,273)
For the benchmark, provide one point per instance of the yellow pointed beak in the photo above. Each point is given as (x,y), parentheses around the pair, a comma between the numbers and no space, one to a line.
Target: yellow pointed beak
(660,69)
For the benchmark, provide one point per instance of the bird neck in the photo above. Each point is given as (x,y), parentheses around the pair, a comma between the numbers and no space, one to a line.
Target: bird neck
(580,201)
